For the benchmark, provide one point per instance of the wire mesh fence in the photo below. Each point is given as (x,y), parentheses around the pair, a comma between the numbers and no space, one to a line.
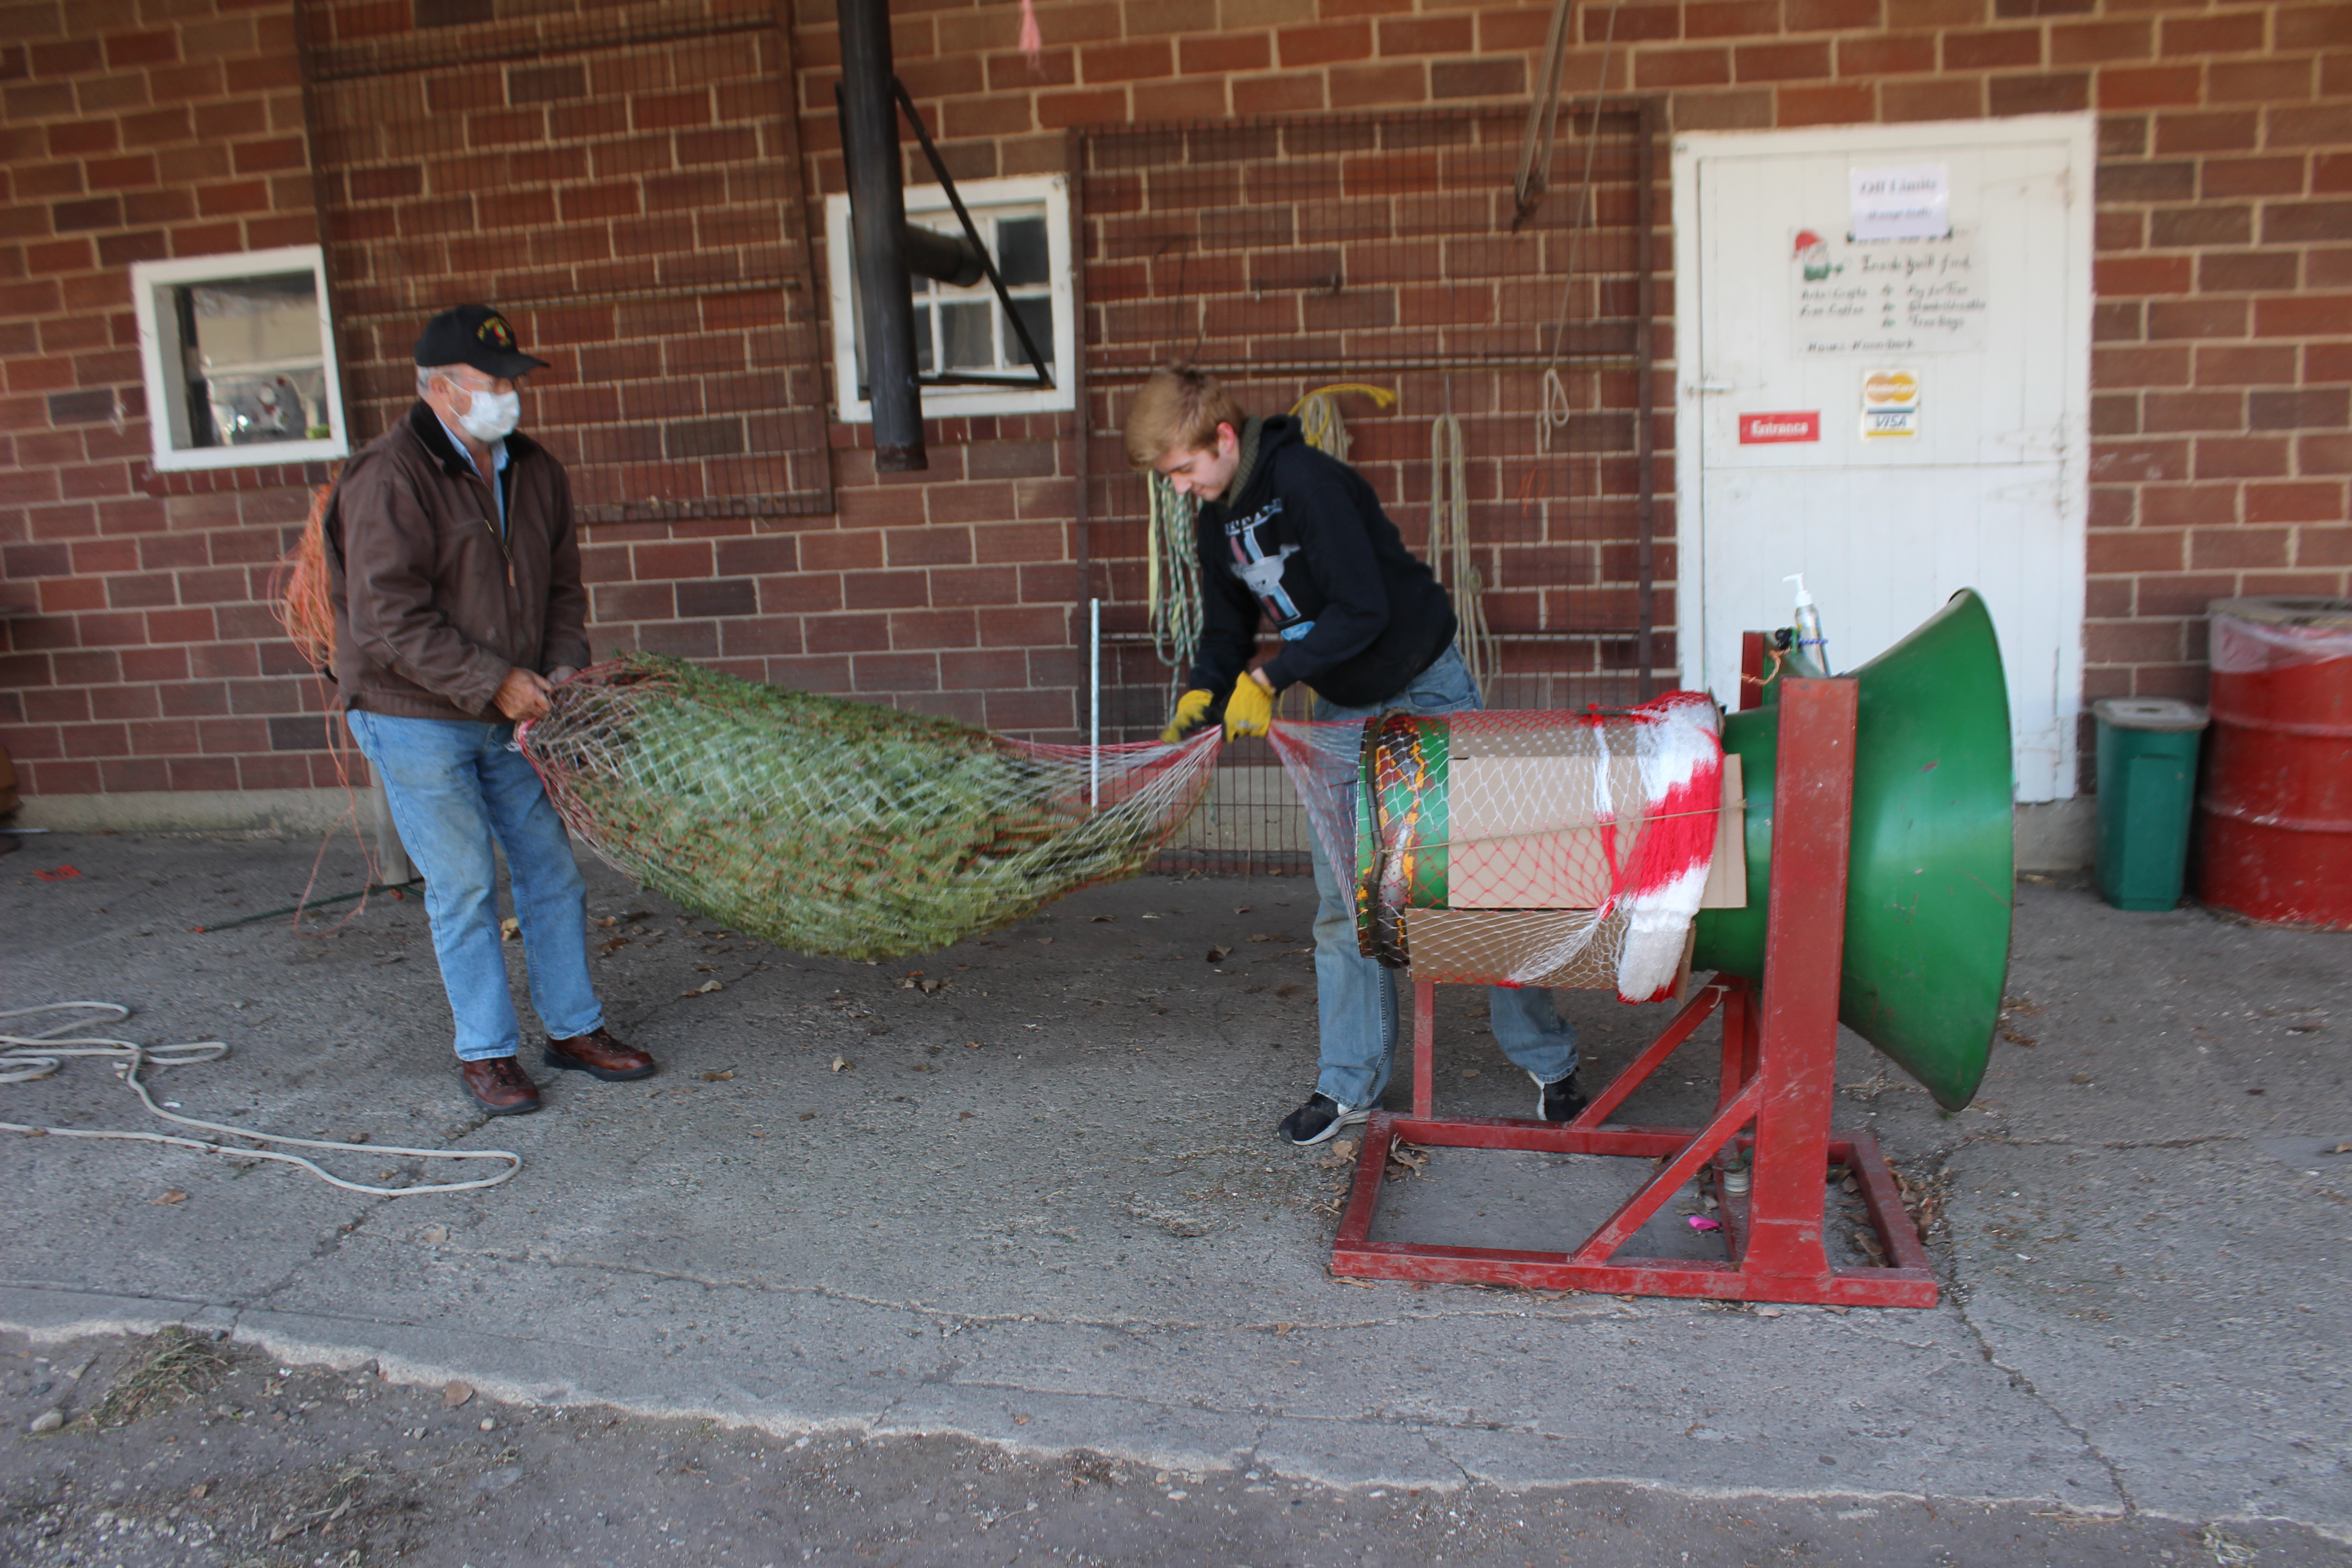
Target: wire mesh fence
(625,182)
(1513,360)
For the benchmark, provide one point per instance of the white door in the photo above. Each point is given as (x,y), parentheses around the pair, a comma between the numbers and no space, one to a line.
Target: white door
(1886,387)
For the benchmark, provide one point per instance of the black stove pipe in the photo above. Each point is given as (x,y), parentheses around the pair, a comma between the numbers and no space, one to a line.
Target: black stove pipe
(877,205)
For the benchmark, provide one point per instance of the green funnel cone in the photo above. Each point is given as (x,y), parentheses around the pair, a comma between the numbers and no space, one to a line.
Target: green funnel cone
(1929,886)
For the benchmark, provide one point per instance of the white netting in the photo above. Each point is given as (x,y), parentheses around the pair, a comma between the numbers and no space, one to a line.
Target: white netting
(1456,828)
(2252,637)
(831,827)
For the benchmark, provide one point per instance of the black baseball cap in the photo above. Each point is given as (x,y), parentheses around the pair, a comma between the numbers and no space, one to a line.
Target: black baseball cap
(477,335)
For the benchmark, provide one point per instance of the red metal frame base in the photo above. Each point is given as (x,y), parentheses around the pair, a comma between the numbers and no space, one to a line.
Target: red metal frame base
(1909,1279)
(1779,1073)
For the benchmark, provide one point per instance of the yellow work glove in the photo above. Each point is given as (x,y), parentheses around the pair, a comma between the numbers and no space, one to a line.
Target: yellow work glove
(1191,709)
(1250,710)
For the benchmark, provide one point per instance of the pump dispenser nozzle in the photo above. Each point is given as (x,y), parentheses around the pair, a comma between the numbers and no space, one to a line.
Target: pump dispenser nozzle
(1808,617)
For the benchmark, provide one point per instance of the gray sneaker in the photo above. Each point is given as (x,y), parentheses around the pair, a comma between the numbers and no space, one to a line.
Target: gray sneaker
(1320,1119)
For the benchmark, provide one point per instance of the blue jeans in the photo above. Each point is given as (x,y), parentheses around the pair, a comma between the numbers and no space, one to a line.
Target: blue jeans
(1356,996)
(453,786)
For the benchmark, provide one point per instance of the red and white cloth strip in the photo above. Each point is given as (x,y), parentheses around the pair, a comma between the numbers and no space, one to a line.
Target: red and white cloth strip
(1679,744)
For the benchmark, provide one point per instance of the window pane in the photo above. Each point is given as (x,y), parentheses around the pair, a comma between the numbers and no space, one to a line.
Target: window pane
(922,340)
(1021,255)
(966,330)
(290,405)
(255,365)
(246,324)
(1037,315)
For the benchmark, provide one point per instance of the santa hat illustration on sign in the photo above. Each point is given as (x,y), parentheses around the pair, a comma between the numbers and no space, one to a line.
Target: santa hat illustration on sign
(1812,253)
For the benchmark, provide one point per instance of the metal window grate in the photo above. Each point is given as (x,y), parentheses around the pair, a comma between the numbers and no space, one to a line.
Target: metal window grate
(625,183)
(1286,256)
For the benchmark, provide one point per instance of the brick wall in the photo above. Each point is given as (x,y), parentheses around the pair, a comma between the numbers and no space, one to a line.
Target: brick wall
(140,653)
(170,126)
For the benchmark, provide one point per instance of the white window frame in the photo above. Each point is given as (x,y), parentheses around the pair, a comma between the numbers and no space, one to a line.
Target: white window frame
(159,356)
(1051,191)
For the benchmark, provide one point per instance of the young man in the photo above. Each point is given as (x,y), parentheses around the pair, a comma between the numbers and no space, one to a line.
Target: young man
(1292,534)
(455,572)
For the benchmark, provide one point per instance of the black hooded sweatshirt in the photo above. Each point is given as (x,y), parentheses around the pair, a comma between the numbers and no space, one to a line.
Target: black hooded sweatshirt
(1301,538)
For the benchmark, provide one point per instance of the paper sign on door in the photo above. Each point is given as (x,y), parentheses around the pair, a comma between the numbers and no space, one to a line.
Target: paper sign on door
(1890,404)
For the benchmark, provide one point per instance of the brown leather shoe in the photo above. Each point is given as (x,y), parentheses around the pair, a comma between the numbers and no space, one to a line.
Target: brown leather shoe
(598,1055)
(500,1086)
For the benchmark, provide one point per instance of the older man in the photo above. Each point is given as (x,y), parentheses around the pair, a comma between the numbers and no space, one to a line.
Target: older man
(455,571)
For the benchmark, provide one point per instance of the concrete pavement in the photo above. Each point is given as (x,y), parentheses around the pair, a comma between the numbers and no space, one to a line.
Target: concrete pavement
(1041,1205)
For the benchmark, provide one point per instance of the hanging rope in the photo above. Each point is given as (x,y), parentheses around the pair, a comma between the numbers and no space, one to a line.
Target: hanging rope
(1172,581)
(1318,414)
(1554,414)
(1450,556)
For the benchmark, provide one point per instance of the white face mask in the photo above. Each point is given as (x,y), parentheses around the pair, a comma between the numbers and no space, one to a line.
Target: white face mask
(492,415)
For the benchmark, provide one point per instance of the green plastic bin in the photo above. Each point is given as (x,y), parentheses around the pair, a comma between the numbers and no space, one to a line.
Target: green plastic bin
(2147,784)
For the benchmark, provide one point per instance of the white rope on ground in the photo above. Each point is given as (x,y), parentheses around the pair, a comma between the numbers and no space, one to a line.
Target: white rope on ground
(31,1057)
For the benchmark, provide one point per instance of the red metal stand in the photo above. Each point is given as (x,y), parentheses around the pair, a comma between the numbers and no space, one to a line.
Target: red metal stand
(1778,1074)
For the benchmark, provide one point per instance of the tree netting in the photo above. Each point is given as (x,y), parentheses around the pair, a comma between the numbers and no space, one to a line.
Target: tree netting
(1520,848)
(1511,847)
(830,826)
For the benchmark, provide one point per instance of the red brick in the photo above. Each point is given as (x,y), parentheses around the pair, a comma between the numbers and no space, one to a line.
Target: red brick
(2299,502)
(2244,364)
(2172,506)
(1985,49)
(1829,15)
(1781,62)
(1243,52)
(2324,455)
(1844,104)
(1364,86)
(1201,100)
(2220,131)
(2323,547)
(2221,178)
(2200,36)
(2306,316)
(2211,549)
(2220,457)
(2197,319)
(1637,21)
(2097,43)
(1103,63)
(1900,54)
(1324,45)
(2151,87)
(2116,462)
(1960,98)
(2142,274)
(2053,93)
(2174,411)
(2136,550)
(1707,66)
(2246,271)
(1101,106)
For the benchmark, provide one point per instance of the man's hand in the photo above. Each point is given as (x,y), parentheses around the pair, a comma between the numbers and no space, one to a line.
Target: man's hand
(522,695)
(1250,710)
(562,673)
(1191,709)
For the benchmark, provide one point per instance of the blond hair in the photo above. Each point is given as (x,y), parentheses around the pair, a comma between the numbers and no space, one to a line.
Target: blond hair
(1179,406)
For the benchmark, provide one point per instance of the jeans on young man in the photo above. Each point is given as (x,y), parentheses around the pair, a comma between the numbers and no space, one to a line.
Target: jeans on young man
(1356,996)
(454,787)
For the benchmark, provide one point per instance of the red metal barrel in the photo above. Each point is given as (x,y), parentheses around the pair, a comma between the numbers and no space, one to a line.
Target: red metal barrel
(2274,820)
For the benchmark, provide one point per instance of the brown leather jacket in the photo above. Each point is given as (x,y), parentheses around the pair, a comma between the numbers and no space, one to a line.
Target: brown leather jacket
(431,608)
